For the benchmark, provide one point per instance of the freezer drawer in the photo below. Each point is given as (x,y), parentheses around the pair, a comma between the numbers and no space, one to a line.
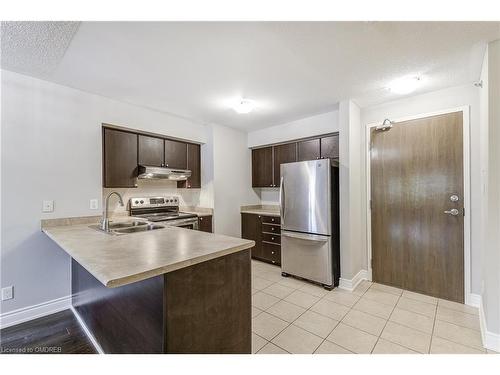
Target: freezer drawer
(308,256)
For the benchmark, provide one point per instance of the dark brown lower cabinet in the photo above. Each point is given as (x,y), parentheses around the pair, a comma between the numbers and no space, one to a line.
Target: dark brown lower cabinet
(205,224)
(204,308)
(265,231)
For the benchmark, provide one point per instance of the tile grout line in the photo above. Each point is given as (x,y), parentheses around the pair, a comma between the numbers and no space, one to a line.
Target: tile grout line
(433,327)
(387,321)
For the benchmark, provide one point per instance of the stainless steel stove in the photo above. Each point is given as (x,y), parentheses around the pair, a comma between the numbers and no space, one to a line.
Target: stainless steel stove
(164,210)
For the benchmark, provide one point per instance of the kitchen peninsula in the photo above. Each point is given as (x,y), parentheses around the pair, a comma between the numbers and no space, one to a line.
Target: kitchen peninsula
(171,290)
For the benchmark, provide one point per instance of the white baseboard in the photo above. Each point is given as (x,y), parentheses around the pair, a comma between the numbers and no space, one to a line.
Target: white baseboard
(351,284)
(490,340)
(24,314)
(87,331)
(473,300)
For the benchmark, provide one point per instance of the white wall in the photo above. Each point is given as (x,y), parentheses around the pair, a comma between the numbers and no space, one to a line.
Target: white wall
(51,149)
(434,101)
(352,219)
(490,115)
(307,127)
(232,179)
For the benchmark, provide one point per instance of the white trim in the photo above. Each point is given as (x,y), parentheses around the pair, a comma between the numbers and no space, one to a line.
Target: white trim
(351,284)
(474,300)
(491,340)
(25,314)
(87,331)
(466,174)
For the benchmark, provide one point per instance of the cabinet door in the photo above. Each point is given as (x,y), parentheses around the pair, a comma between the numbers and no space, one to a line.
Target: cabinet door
(251,230)
(330,147)
(308,150)
(205,224)
(262,167)
(176,154)
(119,158)
(150,151)
(282,154)
(193,164)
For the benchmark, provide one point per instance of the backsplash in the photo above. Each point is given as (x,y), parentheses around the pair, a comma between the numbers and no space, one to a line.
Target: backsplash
(150,188)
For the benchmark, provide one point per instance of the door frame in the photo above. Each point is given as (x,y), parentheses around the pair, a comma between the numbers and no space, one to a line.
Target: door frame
(466,184)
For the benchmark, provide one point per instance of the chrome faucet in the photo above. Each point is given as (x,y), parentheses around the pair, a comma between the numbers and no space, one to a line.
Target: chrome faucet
(105,221)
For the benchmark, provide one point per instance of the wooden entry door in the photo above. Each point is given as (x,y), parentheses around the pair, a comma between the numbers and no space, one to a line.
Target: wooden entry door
(416,174)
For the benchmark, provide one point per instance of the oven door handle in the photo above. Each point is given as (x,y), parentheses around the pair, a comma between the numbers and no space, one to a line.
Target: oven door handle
(179,222)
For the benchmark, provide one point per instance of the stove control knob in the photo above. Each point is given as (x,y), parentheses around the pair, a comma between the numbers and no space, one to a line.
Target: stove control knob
(136,202)
(142,201)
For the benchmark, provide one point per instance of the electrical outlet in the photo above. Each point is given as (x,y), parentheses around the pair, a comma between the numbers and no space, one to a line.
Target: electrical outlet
(94,204)
(7,293)
(48,206)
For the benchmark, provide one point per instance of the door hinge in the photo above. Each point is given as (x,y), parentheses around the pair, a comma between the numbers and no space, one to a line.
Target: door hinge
(371,205)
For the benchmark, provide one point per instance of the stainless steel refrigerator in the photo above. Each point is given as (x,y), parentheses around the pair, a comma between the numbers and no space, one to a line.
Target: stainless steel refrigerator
(309,210)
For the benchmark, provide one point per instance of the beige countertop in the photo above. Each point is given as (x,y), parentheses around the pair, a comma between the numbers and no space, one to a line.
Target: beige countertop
(117,260)
(266,210)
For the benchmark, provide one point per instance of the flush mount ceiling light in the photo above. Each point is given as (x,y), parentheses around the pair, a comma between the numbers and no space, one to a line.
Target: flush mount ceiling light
(405,85)
(243,106)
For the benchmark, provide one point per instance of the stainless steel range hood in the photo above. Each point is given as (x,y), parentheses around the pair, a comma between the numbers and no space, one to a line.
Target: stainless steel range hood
(148,172)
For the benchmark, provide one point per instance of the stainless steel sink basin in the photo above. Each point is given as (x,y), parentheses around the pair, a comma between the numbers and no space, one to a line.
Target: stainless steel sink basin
(127,224)
(125,227)
(142,228)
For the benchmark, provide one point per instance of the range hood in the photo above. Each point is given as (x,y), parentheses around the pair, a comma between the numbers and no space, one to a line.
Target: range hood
(163,173)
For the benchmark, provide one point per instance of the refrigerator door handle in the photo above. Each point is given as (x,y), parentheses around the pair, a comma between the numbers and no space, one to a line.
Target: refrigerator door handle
(307,237)
(282,200)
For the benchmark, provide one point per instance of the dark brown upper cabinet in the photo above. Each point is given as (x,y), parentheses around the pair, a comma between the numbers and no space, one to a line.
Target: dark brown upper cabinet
(176,154)
(262,167)
(151,151)
(193,164)
(308,150)
(282,154)
(124,150)
(119,158)
(330,147)
(266,161)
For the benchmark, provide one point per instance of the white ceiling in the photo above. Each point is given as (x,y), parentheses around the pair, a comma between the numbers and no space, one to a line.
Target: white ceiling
(291,69)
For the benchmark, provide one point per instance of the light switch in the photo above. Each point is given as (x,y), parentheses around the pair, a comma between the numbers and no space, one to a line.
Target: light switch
(7,293)
(48,206)
(94,204)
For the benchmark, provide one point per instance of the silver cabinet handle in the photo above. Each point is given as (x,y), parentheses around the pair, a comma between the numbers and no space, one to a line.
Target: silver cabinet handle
(453,212)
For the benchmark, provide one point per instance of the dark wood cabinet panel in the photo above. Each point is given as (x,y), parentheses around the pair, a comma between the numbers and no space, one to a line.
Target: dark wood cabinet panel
(193,164)
(271,252)
(267,237)
(251,230)
(330,147)
(205,224)
(308,150)
(176,154)
(119,158)
(150,151)
(262,167)
(282,154)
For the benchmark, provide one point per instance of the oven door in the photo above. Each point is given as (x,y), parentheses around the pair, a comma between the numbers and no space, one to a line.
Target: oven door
(190,223)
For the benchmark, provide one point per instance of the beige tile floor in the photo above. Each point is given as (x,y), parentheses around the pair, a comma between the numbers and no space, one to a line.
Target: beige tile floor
(293,316)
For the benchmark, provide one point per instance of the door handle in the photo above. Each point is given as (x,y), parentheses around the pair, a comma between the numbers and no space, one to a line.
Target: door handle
(282,199)
(307,237)
(452,212)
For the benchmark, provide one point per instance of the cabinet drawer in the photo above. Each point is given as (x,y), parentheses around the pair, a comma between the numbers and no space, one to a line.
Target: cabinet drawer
(271,219)
(271,252)
(269,228)
(274,238)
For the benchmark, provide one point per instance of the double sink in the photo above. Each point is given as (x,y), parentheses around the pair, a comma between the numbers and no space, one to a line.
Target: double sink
(126,227)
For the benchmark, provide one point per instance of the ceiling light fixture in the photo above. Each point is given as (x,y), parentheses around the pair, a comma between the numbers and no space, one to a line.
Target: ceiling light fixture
(243,106)
(405,85)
